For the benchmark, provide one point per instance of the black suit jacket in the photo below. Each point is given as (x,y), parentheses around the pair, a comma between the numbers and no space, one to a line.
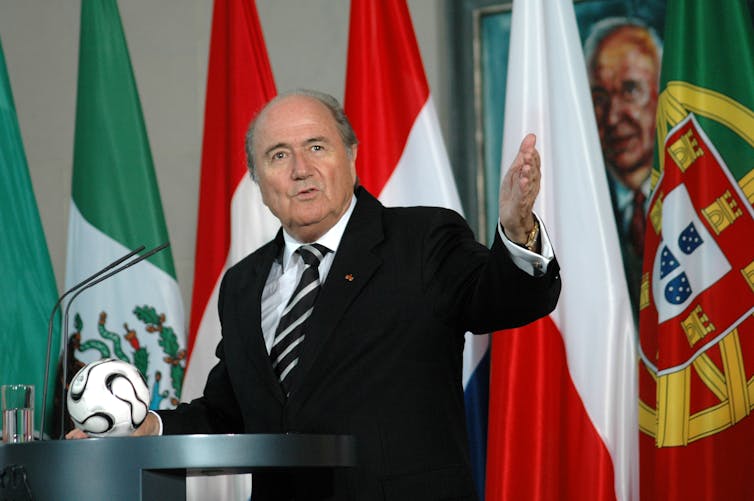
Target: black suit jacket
(382,355)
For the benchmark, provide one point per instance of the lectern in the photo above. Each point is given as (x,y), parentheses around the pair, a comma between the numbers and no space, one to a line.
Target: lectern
(155,468)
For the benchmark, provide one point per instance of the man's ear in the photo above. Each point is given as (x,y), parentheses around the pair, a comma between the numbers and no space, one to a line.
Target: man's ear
(352,157)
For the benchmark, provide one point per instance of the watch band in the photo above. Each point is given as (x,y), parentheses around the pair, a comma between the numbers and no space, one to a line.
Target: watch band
(531,240)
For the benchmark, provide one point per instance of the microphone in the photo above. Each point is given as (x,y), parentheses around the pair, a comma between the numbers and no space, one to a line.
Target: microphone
(86,286)
(52,317)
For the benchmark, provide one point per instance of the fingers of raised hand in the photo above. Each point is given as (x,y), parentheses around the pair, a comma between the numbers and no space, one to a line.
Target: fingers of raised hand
(529,176)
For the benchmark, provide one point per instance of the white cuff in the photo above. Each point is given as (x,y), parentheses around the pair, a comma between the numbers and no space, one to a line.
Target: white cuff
(159,420)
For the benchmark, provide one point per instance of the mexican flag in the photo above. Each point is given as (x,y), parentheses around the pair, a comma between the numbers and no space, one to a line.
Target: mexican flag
(137,315)
(697,294)
(28,290)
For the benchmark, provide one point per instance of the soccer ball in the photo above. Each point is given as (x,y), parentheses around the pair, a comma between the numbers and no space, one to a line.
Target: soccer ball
(108,398)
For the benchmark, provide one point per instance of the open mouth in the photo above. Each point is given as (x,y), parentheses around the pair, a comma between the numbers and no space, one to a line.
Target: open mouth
(306,193)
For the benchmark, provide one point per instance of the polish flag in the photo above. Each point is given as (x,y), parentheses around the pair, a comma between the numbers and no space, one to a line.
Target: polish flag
(232,219)
(402,157)
(563,391)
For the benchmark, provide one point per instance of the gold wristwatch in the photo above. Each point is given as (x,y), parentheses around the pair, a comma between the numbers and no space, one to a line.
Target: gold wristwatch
(531,239)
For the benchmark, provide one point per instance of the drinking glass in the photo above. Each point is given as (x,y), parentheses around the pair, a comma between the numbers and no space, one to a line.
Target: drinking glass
(18,413)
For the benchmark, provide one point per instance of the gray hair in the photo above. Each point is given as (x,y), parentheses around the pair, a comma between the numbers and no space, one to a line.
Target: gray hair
(345,130)
(605,27)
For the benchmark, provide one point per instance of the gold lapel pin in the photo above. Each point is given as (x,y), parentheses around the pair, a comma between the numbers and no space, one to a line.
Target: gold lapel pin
(349,277)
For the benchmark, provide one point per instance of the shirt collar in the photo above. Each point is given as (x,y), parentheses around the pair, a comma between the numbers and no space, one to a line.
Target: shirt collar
(331,239)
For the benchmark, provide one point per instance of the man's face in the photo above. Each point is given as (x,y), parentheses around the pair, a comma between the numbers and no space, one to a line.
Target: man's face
(624,90)
(303,168)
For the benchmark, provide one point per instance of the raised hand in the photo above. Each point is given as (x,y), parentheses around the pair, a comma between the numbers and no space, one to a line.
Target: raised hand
(519,190)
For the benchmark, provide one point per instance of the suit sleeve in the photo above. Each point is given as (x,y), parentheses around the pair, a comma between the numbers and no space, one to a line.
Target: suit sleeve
(216,411)
(478,289)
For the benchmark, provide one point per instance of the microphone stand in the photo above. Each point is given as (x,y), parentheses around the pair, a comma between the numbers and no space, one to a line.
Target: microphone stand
(49,328)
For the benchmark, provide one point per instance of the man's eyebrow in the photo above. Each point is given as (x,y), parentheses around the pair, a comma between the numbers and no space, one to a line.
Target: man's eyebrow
(318,139)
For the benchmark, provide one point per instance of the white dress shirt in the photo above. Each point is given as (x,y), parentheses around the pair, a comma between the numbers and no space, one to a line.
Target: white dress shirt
(286,273)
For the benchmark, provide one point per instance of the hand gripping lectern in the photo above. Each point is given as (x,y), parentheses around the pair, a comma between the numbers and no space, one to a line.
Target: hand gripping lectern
(152,468)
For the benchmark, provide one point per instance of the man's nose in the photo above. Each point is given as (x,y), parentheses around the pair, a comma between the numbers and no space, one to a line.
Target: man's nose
(616,109)
(301,168)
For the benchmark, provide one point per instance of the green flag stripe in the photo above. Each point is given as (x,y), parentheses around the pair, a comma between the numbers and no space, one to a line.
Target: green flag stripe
(27,291)
(718,59)
(114,184)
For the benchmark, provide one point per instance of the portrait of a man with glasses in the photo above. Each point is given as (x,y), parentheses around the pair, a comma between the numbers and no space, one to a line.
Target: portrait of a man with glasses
(623,60)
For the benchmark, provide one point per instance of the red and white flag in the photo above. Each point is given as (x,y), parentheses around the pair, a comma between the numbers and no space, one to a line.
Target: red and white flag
(232,219)
(402,157)
(563,413)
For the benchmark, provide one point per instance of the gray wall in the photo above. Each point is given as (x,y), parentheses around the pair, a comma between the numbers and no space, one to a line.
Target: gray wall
(169,42)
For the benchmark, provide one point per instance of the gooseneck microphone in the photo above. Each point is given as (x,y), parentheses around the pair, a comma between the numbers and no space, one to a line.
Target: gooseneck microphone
(86,286)
(52,317)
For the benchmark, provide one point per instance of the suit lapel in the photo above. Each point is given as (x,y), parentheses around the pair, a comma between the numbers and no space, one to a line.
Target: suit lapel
(250,314)
(354,264)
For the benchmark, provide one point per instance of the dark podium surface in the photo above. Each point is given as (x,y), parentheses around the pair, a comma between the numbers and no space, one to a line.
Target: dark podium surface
(155,468)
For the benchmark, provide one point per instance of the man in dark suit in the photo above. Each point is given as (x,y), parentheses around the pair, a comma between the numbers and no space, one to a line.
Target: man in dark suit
(379,356)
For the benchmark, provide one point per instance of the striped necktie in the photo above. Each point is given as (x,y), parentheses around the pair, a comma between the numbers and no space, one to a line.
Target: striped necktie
(289,334)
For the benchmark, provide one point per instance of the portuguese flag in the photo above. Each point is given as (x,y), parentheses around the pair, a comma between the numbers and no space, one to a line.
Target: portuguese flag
(697,296)
(136,316)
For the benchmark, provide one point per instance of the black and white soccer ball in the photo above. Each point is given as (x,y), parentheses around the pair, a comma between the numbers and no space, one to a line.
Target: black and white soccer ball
(108,398)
